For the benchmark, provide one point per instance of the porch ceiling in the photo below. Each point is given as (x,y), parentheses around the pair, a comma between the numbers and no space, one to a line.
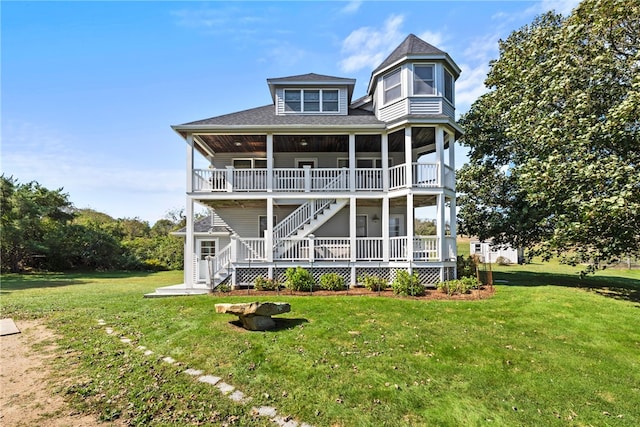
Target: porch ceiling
(422,138)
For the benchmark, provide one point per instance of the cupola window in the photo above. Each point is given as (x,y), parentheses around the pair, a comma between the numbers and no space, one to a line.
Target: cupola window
(423,80)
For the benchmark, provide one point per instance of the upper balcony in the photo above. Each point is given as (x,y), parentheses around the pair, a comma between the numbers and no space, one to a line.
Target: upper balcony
(307,179)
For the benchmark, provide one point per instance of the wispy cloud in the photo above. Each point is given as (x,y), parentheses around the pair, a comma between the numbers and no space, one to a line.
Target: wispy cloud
(367,47)
(33,153)
(217,20)
(563,7)
(351,7)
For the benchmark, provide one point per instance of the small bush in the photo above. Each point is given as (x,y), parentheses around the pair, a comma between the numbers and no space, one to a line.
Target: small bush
(299,279)
(406,284)
(459,286)
(502,261)
(373,283)
(332,282)
(265,284)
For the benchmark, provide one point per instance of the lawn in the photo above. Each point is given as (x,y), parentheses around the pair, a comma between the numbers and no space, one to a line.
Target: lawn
(546,349)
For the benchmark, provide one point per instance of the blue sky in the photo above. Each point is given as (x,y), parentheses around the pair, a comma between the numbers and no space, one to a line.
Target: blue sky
(90,89)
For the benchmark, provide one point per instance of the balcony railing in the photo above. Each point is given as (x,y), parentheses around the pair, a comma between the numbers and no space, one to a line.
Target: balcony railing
(424,175)
(425,248)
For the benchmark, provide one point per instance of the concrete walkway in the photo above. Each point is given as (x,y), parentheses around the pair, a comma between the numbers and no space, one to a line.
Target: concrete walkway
(8,327)
(226,389)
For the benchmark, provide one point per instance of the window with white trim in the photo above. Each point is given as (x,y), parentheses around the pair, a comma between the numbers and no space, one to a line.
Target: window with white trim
(392,86)
(424,80)
(250,163)
(311,100)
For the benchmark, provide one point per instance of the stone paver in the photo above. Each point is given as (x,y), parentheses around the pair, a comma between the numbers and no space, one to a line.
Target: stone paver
(193,372)
(265,411)
(169,360)
(209,379)
(225,388)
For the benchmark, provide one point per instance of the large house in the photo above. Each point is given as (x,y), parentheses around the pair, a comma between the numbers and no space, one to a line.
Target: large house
(324,181)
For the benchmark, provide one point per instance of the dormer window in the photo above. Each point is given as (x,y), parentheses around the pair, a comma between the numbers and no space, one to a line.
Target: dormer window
(311,100)
(392,84)
(424,80)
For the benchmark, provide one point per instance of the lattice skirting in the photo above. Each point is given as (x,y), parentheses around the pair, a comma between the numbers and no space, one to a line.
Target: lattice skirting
(427,276)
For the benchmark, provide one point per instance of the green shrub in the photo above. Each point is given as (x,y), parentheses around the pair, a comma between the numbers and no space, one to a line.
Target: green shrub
(299,279)
(154,265)
(466,266)
(373,283)
(406,284)
(264,284)
(459,286)
(332,282)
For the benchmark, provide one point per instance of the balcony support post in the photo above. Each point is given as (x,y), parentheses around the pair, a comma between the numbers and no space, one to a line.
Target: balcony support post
(385,229)
(410,227)
(408,157)
(189,246)
(384,152)
(268,234)
(269,163)
(190,161)
(440,154)
(441,226)
(352,228)
(229,179)
(352,162)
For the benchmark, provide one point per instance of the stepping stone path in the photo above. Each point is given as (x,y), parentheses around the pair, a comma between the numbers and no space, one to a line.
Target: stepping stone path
(226,389)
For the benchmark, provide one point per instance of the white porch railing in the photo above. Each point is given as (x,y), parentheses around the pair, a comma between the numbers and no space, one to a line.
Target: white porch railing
(425,248)
(318,179)
(251,249)
(369,249)
(426,175)
(397,177)
(331,249)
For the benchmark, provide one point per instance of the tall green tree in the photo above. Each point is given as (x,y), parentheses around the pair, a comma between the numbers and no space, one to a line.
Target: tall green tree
(31,214)
(555,144)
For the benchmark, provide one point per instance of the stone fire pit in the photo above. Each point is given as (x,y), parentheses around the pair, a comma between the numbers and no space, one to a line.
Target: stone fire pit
(255,316)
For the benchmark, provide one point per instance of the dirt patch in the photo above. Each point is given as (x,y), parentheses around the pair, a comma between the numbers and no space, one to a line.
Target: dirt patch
(476,294)
(26,395)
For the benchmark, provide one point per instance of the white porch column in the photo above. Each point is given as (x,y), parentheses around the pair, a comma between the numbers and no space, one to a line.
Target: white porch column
(408,157)
(385,229)
(352,228)
(410,227)
(190,161)
(384,149)
(189,246)
(268,234)
(269,164)
(452,151)
(352,162)
(440,226)
(440,155)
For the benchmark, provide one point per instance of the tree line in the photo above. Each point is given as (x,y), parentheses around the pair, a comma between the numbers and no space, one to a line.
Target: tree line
(42,230)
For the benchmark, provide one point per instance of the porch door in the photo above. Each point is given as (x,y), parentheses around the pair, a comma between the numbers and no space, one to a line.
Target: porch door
(205,247)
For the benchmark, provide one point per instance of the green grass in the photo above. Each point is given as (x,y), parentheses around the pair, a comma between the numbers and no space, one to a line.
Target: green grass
(547,349)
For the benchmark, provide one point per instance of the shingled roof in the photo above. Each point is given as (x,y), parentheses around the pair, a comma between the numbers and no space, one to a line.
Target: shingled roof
(412,45)
(266,116)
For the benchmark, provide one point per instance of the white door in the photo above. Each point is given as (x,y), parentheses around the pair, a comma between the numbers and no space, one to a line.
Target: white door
(206,247)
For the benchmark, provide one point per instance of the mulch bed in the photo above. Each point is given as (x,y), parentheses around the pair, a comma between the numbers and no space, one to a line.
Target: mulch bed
(431,294)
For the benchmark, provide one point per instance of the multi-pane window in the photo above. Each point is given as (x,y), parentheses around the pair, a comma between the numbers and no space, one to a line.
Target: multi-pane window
(292,100)
(423,80)
(392,85)
(394,226)
(311,100)
(207,248)
(448,86)
(250,163)
(329,100)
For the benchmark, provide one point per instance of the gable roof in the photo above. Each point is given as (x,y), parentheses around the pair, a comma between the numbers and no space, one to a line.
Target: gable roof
(311,79)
